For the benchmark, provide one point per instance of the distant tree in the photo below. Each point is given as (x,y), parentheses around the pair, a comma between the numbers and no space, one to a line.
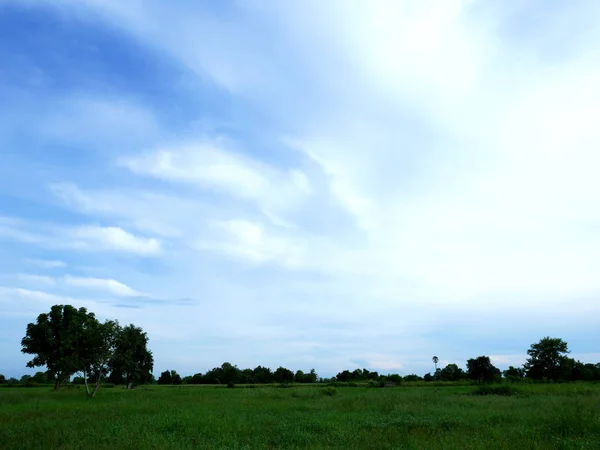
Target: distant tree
(175,378)
(428,377)
(283,375)
(514,373)
(165,377)
(77,380)
(343,376)
(132,362)
(395,378)
(262,375)
(246,376)
(40,378)
(412,377)
(2,379)
(452,373)
(12,380)
(25,379)
(545,358)
(482,370)
(197,378)
(435,360)
(187,380)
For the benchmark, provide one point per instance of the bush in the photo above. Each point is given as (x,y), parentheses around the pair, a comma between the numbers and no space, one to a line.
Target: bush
(231,385)
(329,391)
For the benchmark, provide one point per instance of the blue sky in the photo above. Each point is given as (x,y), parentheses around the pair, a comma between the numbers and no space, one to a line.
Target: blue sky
(310,184)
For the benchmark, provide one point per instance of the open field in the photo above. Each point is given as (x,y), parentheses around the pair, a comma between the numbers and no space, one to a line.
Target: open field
(561,416)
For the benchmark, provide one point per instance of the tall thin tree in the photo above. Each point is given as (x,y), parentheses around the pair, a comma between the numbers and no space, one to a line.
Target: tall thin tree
(435,360)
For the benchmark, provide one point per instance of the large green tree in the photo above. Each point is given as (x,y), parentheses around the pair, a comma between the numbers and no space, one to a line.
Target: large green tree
(132,362)
(545,359)
(55,340)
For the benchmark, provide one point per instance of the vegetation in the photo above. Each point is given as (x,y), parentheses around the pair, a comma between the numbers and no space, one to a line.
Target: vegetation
(68,340)
(534,416)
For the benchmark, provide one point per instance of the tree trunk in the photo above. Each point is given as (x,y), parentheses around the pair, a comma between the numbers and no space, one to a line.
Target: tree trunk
(98,381)
(57,384)
(87,386)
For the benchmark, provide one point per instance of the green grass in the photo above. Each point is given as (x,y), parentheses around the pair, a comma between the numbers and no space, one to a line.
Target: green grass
(535,417)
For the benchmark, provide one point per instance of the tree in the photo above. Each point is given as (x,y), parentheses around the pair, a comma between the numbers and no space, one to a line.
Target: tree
(175,378)
(514,373)
(482,370)
(25,379)
(132,362)
(96,351)
(412,377)
(452,373)
(435,360)
(283,375)
(165,377)
(40,378)
(262,375)
(53,339)
(545,358)
(2,379)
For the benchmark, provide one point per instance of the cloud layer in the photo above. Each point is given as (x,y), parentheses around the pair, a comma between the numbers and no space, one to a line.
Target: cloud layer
(333,184)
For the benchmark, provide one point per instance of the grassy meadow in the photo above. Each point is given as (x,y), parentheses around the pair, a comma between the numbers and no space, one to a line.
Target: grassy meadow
(559,416)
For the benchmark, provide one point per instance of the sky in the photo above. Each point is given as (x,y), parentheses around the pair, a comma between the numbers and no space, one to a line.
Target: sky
(329,185)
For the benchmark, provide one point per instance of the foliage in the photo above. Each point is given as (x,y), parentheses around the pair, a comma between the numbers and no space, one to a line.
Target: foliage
(412,377)
(132,362)
(545,359)
(68,340)
(55,341)
(169,377)
(452,373)
(482,370)
(2,379)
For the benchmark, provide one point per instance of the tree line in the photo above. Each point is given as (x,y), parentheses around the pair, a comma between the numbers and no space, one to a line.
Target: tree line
(547,361)
(70,341)
(230,374)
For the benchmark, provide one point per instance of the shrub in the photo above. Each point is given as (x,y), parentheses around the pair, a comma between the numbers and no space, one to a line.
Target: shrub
(329,391)
(231,385)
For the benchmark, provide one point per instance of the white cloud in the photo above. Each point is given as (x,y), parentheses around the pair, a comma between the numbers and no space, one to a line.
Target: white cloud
(35,279)
(108,285)
(212,164)
(47,263)
(114,238)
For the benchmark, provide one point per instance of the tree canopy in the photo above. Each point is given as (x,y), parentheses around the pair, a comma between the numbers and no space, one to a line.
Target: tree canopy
(482,370)
(545,358)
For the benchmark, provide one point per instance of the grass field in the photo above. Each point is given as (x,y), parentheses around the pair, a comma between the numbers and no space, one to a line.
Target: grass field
(557,416)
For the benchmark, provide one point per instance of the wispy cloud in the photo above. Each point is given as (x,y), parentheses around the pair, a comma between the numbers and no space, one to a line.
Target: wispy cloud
(91,237)
(47,263)
(111,286)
